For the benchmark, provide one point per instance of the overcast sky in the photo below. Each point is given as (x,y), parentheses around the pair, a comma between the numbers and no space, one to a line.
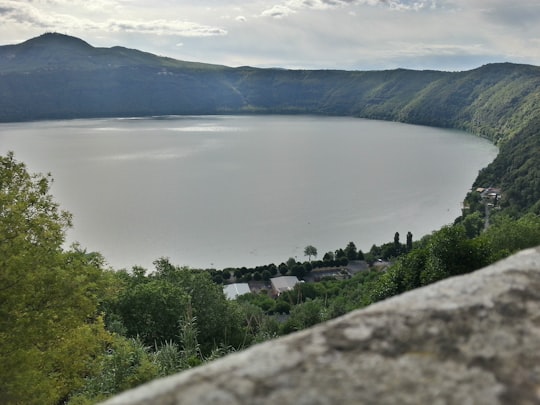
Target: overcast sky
(307,34)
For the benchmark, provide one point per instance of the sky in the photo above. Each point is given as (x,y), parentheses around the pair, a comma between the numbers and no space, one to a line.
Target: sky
(448,35)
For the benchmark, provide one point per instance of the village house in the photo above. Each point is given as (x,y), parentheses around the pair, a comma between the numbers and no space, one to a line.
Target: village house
(283,284)
(232,291)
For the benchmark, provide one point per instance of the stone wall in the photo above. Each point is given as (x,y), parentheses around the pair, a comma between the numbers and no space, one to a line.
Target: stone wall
(473,339)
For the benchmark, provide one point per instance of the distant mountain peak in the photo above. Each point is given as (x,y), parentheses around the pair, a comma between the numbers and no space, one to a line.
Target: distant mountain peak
(57,39)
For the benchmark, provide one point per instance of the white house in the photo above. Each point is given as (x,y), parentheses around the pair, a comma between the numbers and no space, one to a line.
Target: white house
(234,290)
(284,283)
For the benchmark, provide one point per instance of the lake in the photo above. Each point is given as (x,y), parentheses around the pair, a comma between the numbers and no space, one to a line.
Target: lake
(220,191)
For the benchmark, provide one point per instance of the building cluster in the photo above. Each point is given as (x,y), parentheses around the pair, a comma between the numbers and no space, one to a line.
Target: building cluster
(279,286)
(490,195)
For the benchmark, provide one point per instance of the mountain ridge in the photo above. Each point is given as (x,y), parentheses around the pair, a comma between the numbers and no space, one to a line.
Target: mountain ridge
(55,76)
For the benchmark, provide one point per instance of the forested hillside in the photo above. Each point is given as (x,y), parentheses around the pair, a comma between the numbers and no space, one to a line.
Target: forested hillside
(57,76)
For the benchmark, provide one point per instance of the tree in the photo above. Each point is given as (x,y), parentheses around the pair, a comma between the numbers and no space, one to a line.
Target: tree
(48,297)
(151,310)
(126,364)
(266,275)
(305,315)
(310,251)
(291,262)
(409,241)
(339,254)
(397,245)
(298,270)
(474,224)
(329,257)
(351,252)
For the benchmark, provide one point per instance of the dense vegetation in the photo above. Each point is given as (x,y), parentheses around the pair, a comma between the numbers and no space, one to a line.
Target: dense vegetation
(73,331)
(516,170)
(57,76)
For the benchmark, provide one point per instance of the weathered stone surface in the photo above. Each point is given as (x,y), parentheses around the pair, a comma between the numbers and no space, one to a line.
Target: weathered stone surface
(473,339)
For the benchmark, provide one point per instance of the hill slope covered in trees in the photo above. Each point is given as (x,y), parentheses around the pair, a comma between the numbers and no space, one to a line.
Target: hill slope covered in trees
(58,76)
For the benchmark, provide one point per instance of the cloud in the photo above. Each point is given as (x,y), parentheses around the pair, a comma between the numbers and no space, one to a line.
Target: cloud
(28,15)
(441,49)
(164,27)
(292,6)
(278,11)
(241,18)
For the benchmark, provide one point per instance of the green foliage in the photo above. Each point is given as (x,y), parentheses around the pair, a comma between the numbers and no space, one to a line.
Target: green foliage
(473,224)
(351,251)
(48,298)
(151,306)
(304,315)
(507,236)
(451,251)
(168,359)
(126,364)
(447,252)
(516,170)
(310,251)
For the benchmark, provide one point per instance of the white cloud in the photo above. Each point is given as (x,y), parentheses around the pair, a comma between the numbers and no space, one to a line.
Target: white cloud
(28,14)
(291,6)
(164,27)
(278,11)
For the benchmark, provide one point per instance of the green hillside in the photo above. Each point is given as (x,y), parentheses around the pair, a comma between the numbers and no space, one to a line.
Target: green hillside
(57,76)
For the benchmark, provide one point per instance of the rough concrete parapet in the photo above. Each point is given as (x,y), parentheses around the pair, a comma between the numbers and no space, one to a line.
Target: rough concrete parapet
(473,339)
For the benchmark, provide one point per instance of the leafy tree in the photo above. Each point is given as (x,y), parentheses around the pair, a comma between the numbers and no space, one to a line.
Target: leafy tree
(151,310)
(310,251)
(329,256)
(506,236)
(126,364)
(282,307)
(48,297)
(351,252)
(305,315)
(298,270)
(291,262)
(272,268)
(339,254)
(375,251)
(397,245)
(474,224)
(409,243)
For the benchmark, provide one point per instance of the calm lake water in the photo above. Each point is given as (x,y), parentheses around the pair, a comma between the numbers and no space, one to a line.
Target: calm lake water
(219,191)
